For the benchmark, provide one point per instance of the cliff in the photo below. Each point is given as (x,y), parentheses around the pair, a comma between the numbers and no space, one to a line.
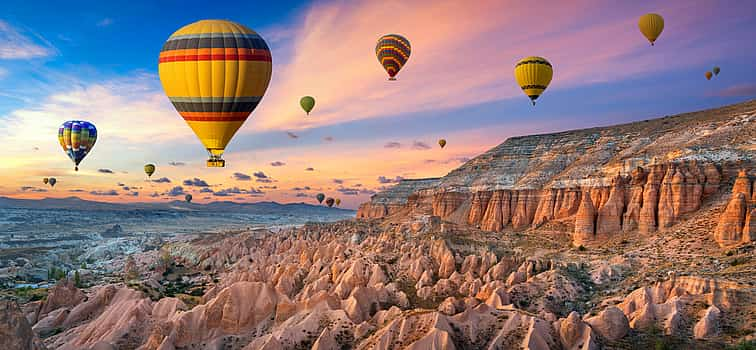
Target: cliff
(642,176)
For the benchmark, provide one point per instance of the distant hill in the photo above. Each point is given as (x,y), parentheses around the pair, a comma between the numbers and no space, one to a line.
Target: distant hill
(224,206)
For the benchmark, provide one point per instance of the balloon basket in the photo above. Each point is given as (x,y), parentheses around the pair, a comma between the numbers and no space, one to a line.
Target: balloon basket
(391,79)
(216,163)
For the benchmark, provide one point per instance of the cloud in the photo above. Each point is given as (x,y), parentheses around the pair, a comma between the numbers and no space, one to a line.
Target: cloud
(419,145)
(309,169)
(236,190)
(352,191)
(196,182)
(338,181)
(104,193)
(277,163)
(155,195)
(268,187)
(105,171)
(386,180)
(176,163)
(242,176)
(32,189)
(35,148)
(741,90)
(392,144)
(176,191)
(120,184)
(292,135)
(304,188)
(260,175)
(77,190)
(448,161)
(302,195)
(206,190)
(328,139)
(105,22)
(162,180)
(134,194)
(15,45)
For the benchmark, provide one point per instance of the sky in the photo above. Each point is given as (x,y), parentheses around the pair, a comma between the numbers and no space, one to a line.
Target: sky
(97,61)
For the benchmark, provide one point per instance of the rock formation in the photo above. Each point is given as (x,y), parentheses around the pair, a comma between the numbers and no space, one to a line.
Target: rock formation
(585,221)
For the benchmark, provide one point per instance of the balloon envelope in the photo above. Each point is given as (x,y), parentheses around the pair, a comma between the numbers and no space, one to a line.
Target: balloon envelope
(52,181)
(77,139)
(320,197)
(442,143)
(533,74)
(708,75)
(715,70)
(45,180)
(393,51)
(188,198)
(215,72)
(307,103)
(149,169)
(651,26)
(329,202)
(338,202)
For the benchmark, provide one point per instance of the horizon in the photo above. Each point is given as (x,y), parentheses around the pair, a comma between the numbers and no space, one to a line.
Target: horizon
(359,140)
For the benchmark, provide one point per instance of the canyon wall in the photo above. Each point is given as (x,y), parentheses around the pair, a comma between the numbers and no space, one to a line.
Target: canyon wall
(642,176)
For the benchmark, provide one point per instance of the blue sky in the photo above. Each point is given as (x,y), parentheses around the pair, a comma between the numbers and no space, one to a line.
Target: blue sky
(98,60)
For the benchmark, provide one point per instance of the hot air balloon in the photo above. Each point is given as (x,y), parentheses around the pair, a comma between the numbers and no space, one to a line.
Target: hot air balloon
(329,202)
(215,72)
(393,51)
(533,74)
(45,180)
(149,169)
(442,143)
(188,198)
(320,197)
(52,181)
(651,26)
(708,75)
(77,139)
(715,70)
(307,103)
(338,202)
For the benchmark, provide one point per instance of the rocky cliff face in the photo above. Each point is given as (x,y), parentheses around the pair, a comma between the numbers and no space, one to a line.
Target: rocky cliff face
(642,176)
(395,198)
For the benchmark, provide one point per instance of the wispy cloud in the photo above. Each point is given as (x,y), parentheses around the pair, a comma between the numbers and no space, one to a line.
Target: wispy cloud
(105,22)
(387,180)
(392,144)
(292,135)
(162,180)
(105,171)
(104,193)
(15,45)
(176,191)
(32,189)
(309,169)
(196,182)
(242,176)
(277,163)
(419,145)
(176,163)
(741,90)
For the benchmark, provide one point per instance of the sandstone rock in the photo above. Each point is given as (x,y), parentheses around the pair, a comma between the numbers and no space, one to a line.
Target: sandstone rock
(574,333)
(729,230)
(524,209)
(742,184)
(585,221)
(635,200)
(609,221)
(708,325)
(749,228)
(478,207)
(648,220)
(666,212)
(445,203)
(610,323)
(569,204)
(498,212)
(15,331)
(63,294)
(545,209)
(713,178)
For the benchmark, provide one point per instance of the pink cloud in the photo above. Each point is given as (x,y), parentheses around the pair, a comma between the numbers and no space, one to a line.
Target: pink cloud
(464,54)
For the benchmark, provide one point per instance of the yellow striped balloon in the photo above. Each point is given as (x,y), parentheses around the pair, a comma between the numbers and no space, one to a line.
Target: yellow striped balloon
(393,51)
(533,74)
(215,72)
(651,26)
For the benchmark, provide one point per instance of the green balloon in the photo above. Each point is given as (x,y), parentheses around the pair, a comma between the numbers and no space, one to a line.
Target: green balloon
(307,103)
(716,70)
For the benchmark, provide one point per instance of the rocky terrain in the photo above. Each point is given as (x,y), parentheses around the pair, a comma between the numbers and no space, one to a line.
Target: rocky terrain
(638,236)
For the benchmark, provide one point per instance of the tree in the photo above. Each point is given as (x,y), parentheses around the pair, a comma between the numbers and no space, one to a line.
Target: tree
(77,279)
